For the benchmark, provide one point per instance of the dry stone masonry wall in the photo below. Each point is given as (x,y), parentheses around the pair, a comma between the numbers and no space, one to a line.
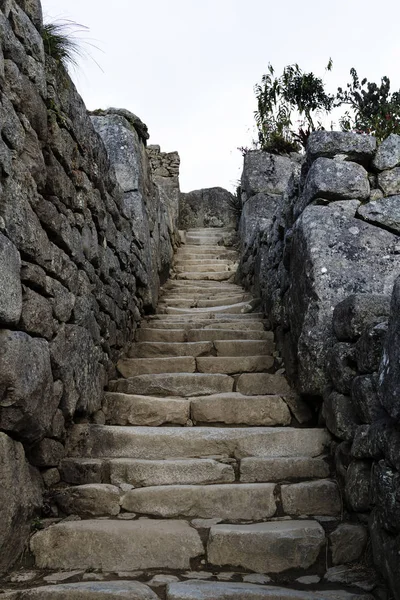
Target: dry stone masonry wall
(320,239)
(86,237)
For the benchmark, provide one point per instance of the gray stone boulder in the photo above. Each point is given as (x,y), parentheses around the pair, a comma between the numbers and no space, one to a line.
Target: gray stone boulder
(265,173)
(389,372)
(354,147)
(257,214)
(388,154)
(27,404)
(20,497)
(389,181)
(332,255)
(209,207)
(10,283)
(384,213)
(334,180)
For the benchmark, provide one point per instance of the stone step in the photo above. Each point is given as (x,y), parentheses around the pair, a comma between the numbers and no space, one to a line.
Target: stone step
(193,252)
(256,384)
(129,409)
(230,502)
(144,473)
(236,308)
(236,409)
(233,364)
(174,384)
(130,367)
(219,348)
(206,268)
(200,302)
(244,347)
(190,292)
(213,335)
(145,334)
(270,548)
(225,317)
(260,469)
(87,590)
(216,590)
(116,545)
(155,349)
(206,276)
(155,443)
(311,498)
(247,324)
(201,261)
(198,240)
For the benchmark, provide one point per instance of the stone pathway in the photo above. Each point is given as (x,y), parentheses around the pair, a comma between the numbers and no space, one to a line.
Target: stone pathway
(203,483)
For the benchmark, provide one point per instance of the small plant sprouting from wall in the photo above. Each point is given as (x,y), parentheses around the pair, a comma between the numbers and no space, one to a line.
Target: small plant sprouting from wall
(60,41)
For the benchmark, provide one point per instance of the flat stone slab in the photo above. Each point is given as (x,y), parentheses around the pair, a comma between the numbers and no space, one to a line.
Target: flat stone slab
(175,384)
(110,545)
(156,349)
(130,367)
(143,473)
(161,335)
(254,469)
(234,364)
(93,590)
(233,309)
(236,409)
(256,384)
(266,547)
(100,441)
(209,334)
(130,409)
(244,347)
(219,276)
(311,498)
(227,501)
(214,590)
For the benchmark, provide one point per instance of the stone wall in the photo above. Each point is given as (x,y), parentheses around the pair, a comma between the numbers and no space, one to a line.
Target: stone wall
(210,207)
(320,247)
(86,238)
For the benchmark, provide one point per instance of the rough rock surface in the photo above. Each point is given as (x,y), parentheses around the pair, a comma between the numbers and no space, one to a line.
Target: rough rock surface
(20,498)
(209,207)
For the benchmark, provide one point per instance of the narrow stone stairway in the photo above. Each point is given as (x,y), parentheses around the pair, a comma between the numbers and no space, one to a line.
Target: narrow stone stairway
(203,484)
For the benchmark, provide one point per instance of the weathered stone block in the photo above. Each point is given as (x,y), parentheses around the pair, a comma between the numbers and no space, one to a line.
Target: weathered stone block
(27,403)
(384,212)
(206,208)
(389,181)
(266,547)
(348,543)
(388,154)
(89,500)
(365,398)
(47,453)
(358,485)
(10,283)
(37,315)
(335,180)
(332,255)
(76,362)
(389,372)
(20,497)
(356,147)
(385,486)
(265,173)
(369,347)
(341,418)
(341,366)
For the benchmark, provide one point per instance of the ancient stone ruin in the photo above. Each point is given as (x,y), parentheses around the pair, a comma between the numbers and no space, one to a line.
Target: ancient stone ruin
(199,394)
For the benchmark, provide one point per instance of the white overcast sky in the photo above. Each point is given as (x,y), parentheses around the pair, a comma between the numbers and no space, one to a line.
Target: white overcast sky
(187,68)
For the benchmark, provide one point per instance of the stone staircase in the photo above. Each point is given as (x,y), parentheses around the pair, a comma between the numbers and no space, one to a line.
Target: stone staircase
(205,482)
